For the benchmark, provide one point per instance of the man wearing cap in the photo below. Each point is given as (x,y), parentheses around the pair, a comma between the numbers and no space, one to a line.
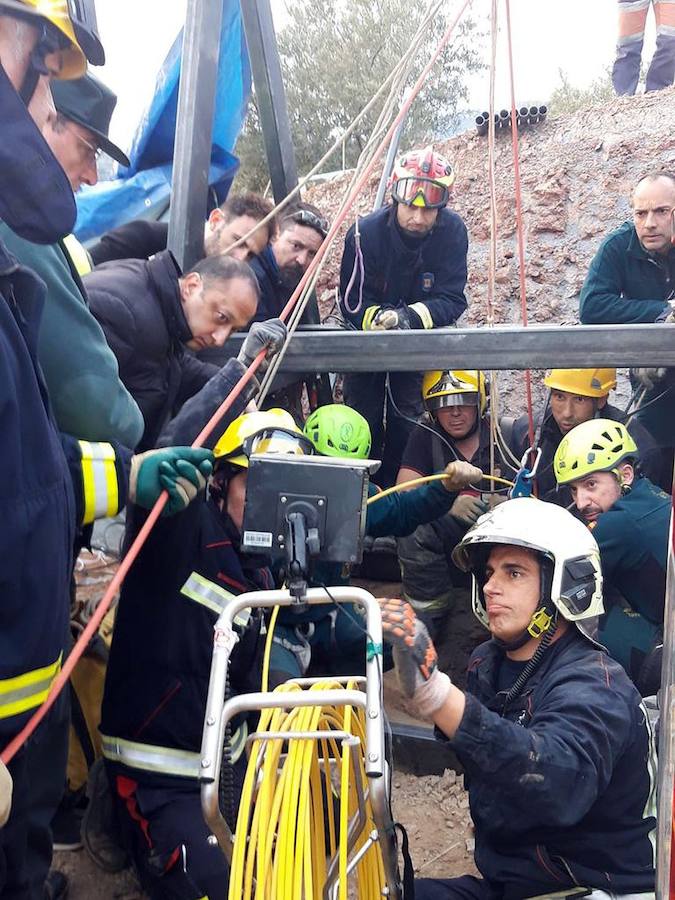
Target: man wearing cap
(403,266)
(80,369)
(575,396)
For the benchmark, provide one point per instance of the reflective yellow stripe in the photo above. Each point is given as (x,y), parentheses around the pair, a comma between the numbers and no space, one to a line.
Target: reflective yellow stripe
(212,596)
(423,312)
(99,481)
(78,255)
(24,692)
(164,760)
(368,317)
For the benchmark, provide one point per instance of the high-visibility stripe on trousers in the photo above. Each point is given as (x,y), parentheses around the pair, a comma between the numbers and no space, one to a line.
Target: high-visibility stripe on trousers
(165,760)
(23,692)
(632,20)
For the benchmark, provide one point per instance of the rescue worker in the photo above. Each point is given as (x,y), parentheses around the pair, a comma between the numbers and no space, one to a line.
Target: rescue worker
(226,224)
(575,396)
(456,427)
(88,399)
(158,673)
(403,266)
(556,745)
(37,41)
(630,520)
(632,279)
(152,315)
(332,639)
(279,269)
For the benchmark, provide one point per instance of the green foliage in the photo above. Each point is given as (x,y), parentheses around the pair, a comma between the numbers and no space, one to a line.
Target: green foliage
(568,99)
(335,54)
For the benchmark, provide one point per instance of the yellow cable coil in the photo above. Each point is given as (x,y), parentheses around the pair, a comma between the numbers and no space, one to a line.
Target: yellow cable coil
(295,811)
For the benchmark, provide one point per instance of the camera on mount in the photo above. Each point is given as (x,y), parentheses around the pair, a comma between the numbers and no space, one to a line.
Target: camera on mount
(305,509)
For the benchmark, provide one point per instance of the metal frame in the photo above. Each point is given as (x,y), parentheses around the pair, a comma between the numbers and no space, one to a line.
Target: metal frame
(324,349)
(194,129)
(218,713)
(270,94)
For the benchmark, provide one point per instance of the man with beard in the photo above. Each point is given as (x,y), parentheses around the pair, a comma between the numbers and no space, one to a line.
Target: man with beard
(403,266)
(279,269)
(630,520)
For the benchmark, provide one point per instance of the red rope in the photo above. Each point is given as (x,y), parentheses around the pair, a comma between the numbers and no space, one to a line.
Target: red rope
(92,626)
(519,217)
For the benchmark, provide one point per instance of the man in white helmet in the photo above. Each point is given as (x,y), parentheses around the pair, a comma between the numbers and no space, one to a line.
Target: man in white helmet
(554,740)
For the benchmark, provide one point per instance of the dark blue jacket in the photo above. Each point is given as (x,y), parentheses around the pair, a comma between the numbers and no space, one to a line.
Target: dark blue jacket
(429,279)
(273,294)
(625,283)
(633,540)
(137,304)
(560,783)
(158,671)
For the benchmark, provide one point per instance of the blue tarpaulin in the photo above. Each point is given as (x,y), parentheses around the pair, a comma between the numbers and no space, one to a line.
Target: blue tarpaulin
(148,180)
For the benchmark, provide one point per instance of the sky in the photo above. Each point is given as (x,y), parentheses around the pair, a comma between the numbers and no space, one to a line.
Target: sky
(577,36)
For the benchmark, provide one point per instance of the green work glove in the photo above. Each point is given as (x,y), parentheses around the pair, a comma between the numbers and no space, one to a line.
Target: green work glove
(414,657)
(467,509)
(182,471)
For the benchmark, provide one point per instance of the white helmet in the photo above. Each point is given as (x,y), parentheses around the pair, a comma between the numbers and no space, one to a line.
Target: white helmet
(574,583)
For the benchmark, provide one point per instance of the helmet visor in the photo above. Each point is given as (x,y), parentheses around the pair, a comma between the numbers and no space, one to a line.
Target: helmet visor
(445,400)
(420,192)
(277,440)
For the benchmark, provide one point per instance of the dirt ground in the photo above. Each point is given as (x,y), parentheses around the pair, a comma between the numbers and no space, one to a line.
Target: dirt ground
(433,808)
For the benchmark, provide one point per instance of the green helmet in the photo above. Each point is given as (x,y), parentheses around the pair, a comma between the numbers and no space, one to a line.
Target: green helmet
(598,445)
(338,430)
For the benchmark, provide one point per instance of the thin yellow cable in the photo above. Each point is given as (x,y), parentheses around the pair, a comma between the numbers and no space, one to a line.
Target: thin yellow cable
(264,683)
(415,481)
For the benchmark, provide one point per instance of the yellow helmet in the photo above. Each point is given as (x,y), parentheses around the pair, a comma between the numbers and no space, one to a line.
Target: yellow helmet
(75,21)
(598,445)
(268,431)
(583,382)
(454,388)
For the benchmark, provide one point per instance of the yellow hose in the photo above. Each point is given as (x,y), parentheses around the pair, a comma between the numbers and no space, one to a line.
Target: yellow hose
(295,810)
(415,481)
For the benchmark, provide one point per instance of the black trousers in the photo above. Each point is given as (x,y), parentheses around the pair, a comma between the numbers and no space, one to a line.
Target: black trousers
(39,775)
(466,887)
(367,394)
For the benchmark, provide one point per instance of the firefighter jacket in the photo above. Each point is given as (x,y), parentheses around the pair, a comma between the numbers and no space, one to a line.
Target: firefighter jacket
(428,276)
(51,483)
(561,781)
(138,305)
(158,671)
(88,399)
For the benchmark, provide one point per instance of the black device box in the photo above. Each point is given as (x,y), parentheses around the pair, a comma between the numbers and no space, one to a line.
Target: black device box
(330,494)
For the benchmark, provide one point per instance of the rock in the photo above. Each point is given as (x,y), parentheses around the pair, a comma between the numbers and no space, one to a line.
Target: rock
(470,844)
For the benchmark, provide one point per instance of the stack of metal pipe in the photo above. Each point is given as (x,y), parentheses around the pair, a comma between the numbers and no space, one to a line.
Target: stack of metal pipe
(527,115)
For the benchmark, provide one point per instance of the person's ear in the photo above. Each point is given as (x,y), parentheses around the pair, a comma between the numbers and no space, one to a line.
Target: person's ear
(627,474)
(216,219)
(189,284)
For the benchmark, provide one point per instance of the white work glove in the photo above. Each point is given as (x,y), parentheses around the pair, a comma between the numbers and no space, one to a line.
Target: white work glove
(459,475)
(5,793)
(269,335)
(415,658)
(389,319)
(649,377)
(467,509)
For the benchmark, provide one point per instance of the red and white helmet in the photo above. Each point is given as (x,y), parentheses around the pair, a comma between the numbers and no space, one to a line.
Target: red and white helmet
(422,178)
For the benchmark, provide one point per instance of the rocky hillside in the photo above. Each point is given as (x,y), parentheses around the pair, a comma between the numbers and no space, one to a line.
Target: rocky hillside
(577,172)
